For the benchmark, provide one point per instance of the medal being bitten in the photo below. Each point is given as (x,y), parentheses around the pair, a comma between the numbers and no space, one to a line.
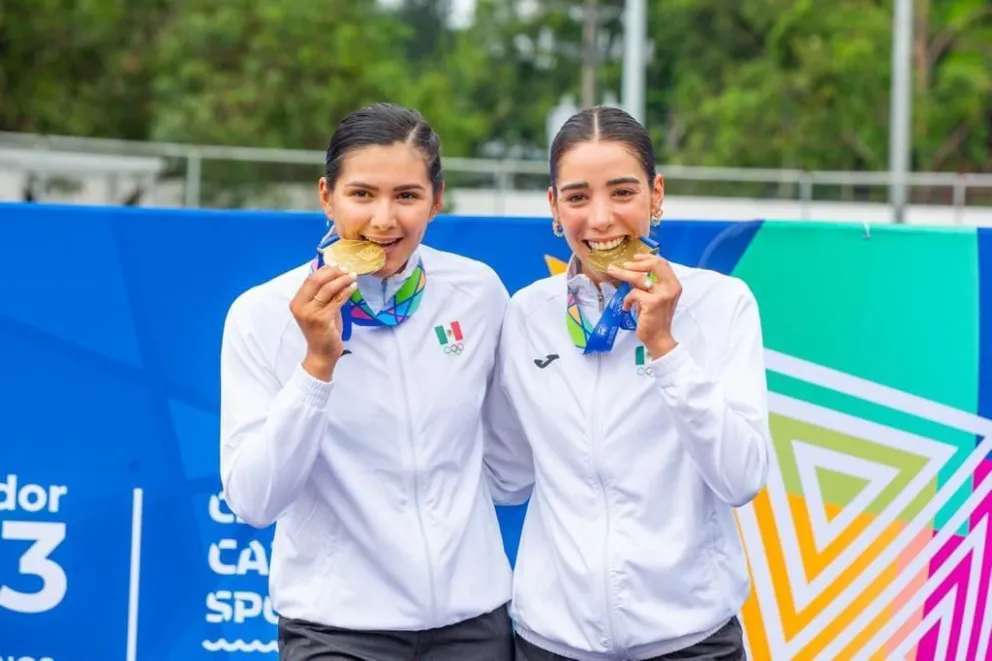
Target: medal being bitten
(360,257)
(602,259)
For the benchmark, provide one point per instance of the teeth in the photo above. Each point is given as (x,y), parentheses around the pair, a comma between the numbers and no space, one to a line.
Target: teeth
(606,245)
(383,243)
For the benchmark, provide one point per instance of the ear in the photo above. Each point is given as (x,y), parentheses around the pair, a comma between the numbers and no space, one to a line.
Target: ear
(325,197)
(553,201)
(438,201)
(658,192)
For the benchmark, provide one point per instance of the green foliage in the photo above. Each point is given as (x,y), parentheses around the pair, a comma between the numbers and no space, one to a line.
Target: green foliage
(769,83)
(273,74)
(791,83)
(78,68)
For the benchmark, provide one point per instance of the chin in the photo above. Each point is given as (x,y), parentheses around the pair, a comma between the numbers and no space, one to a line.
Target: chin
(392,267)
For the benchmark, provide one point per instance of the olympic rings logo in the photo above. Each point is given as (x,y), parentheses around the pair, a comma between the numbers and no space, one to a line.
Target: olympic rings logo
(454,349)
(644,370)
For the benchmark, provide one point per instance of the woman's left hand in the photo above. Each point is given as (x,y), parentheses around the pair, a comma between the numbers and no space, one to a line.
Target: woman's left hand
(654,302)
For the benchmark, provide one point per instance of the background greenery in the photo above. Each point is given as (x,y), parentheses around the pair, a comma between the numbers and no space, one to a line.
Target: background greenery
(768,83)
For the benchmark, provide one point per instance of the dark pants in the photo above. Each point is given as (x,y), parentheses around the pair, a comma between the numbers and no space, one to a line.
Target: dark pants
(488,637)
(727,644)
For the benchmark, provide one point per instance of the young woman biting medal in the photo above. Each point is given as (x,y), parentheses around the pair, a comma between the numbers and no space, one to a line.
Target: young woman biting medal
(640,386)
(351,395)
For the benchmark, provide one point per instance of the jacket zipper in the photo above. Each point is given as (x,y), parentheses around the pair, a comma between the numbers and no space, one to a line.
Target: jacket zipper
(594,427)
(416,490)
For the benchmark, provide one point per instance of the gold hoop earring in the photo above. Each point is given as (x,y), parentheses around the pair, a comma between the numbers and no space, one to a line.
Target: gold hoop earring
(557,229)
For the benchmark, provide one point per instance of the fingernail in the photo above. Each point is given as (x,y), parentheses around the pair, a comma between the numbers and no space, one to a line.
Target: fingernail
(353,274)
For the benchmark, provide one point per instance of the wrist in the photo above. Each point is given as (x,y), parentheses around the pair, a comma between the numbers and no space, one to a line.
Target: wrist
(661,347)
(319,367)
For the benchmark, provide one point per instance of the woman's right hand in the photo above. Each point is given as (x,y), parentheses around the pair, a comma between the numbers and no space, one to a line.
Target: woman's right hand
(317,310)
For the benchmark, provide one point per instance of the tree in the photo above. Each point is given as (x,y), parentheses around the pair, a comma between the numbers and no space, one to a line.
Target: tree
(787,84)
(78,68)
(273,74)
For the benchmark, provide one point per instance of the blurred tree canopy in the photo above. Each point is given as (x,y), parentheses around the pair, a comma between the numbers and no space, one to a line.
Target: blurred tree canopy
(763,83)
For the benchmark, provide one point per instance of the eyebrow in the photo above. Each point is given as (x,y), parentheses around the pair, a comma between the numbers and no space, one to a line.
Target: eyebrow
(611,182)
(403,188)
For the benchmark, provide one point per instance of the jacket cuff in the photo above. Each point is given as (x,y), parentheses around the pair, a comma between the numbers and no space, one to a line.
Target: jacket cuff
(307,390)
(666,369)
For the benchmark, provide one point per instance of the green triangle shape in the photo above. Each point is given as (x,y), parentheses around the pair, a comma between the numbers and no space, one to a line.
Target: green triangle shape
(784,429)
(838,488)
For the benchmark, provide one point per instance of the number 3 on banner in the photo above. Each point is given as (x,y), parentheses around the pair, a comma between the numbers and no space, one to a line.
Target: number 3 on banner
(35,562)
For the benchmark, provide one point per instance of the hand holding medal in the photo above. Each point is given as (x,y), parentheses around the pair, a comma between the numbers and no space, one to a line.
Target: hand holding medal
(654,296)
(317,310)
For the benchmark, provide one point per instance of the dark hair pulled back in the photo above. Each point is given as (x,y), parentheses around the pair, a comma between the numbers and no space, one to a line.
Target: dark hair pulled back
(607,124)
(384,124)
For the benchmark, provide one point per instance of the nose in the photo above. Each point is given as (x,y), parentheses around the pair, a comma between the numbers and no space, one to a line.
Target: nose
(382,219)
(601,215)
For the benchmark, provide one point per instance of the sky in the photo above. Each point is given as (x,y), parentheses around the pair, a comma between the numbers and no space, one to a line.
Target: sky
(461,11)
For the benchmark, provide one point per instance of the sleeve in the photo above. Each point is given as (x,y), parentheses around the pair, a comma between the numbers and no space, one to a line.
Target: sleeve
(270,433)
(508,461)
(723,422)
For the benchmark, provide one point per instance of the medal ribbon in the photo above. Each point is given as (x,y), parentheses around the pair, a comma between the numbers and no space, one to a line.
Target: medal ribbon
(600,338)
(398,309)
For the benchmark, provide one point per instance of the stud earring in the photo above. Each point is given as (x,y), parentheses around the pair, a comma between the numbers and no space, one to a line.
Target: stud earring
(556,229)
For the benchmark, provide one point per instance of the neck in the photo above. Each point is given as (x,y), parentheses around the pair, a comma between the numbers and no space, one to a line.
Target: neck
(383,275)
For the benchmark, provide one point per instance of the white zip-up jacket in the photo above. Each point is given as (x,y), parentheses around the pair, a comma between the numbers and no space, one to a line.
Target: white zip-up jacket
(630,547)
(374,480)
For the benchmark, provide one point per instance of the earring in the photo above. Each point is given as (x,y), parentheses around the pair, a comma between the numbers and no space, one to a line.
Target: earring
(556,228)
(656,218)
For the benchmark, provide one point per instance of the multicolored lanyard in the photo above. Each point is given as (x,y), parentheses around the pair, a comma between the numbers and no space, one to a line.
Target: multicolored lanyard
(398,309)
(599,338)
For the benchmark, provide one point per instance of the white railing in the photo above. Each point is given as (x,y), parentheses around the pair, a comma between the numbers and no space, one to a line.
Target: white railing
(796,185)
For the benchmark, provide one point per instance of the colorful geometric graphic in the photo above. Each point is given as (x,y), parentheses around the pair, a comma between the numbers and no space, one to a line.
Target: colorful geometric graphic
(844,555)
(870,541)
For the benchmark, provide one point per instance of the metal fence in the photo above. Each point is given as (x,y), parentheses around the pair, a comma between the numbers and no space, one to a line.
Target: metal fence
(187,162)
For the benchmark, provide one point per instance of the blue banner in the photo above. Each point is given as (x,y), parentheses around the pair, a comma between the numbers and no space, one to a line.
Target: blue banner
(115,541)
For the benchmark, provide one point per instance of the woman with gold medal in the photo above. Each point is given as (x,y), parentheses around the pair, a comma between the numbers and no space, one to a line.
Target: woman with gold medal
(632,409)
(351,395)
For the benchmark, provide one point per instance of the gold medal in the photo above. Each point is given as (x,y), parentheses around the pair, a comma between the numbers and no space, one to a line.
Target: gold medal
(359,257)
(602,259)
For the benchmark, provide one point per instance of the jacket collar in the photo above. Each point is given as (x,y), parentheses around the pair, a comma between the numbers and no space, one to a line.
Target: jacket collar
(583,288)
(378,291)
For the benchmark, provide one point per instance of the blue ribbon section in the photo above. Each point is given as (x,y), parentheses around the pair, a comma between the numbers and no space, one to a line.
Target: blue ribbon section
(328,239)
(613,319)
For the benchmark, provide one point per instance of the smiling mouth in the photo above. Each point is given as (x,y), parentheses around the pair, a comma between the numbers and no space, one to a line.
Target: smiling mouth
(612,244)
(385,243)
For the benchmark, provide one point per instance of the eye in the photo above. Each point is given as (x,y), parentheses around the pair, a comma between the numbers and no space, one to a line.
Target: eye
(576,197)
(408,195)
(360,193)
(625,192)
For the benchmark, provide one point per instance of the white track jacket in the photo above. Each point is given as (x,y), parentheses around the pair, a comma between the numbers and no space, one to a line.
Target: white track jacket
(374,480)
(630,547)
